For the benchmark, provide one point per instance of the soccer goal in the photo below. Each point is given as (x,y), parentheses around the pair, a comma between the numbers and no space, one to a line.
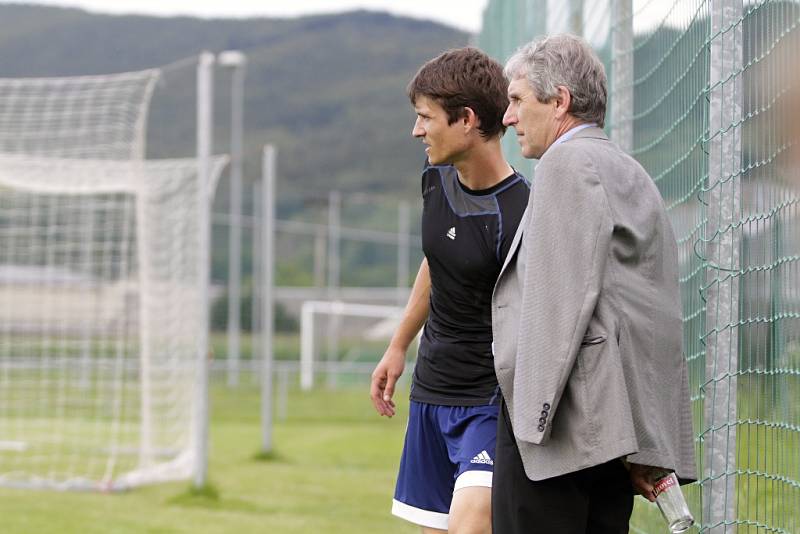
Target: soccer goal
(356,336)
(101,288)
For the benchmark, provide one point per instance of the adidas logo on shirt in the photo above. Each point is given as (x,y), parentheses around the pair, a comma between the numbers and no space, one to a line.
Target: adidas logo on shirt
(451,233)
(482,458)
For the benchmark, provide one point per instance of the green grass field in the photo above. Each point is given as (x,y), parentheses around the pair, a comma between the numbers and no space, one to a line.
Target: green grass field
(333,472)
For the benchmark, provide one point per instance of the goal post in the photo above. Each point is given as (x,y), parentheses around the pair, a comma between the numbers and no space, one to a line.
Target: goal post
(337,309)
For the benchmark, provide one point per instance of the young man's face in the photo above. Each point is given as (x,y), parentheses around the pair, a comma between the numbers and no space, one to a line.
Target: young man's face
(446,142)
(534,121)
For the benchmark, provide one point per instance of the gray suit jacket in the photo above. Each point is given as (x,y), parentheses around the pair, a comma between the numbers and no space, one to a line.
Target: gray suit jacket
(587,318)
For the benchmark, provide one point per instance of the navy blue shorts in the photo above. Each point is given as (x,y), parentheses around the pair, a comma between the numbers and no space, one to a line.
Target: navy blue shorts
(446,448)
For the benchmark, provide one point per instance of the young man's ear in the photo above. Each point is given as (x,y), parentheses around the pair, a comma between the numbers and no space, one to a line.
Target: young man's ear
(469,119)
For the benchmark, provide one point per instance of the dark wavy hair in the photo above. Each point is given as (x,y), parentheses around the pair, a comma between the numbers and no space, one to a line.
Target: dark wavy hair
(465,78)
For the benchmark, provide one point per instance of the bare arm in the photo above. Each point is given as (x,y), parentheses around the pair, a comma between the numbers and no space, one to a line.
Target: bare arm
(389,369)
(416,309)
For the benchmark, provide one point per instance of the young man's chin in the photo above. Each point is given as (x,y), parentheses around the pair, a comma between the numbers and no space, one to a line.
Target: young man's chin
(440,159)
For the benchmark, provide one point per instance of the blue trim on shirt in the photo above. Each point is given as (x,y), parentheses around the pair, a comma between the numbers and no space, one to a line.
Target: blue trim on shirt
(497,211)
(499,226)
(513,182)
(453,209)
(494,194)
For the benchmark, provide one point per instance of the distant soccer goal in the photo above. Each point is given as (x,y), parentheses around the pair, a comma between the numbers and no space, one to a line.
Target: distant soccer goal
(101,288)
(343,332)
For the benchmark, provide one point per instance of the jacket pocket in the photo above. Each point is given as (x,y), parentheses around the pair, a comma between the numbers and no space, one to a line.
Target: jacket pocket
(593,339)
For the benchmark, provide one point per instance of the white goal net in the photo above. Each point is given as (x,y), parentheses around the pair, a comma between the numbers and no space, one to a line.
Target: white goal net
(100,288)
(95,117)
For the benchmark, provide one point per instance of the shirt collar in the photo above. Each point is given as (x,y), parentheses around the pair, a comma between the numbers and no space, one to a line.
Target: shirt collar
(569,134)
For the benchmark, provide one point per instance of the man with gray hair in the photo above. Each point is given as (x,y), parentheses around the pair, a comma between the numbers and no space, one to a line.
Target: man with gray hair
(586,315)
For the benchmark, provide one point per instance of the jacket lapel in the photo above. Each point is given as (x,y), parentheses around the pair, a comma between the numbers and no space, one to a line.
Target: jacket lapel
(515,242)
(594,132)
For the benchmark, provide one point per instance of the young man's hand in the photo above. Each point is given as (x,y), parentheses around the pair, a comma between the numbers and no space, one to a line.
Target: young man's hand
(384,378)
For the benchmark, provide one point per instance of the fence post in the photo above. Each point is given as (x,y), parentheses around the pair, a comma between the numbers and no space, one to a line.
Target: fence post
(306,347)
(722,237)
(622,74)
(283,392)
(403,250)
(535,19)
(334,277)
(268,293)
(257,291)
(236,62)
(205,114)
(576,17)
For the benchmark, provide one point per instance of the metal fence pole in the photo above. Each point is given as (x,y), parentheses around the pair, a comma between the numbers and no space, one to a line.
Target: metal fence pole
(283,392)
(306,347)
(257,291)
(268,299)
(722,256)
(535,19)
(319,257)
(334,239)
(622,74)
(236,61)
(576,16)
(403,250)
(334,276)
(205,114)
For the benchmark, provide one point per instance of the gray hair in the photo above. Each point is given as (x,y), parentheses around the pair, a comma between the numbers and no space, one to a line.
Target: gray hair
(563,60)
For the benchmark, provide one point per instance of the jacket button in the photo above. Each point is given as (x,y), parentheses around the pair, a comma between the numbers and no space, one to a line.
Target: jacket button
(544,413)
(541,428)
(546,406)
(542,420)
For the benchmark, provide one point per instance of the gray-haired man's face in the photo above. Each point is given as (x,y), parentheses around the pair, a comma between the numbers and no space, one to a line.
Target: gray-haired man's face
(534,122)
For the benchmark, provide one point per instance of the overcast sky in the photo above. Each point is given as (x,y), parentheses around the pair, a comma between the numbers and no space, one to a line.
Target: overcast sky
(464,14)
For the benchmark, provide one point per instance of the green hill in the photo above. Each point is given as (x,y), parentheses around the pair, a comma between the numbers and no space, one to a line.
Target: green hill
(328,90)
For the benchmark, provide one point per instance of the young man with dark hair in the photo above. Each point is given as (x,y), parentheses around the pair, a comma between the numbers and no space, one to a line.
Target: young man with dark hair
(472,204)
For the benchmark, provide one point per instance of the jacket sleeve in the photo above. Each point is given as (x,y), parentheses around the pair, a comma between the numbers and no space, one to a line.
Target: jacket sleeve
(567,240)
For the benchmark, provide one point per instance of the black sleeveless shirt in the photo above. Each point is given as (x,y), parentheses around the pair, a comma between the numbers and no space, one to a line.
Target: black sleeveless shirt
(466,236)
